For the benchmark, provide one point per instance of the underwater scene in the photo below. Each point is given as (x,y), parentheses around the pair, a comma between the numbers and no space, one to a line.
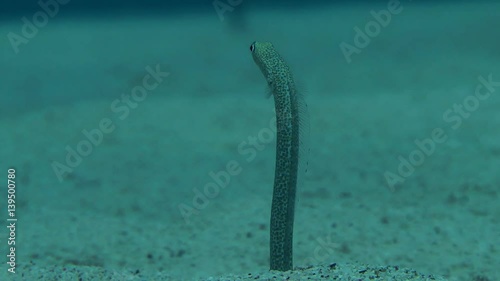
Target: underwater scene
(229,140)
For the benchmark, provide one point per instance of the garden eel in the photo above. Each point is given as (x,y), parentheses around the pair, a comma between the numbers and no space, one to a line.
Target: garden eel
(290,113)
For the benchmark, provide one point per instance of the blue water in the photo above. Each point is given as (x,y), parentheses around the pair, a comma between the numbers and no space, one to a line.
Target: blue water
(140,136)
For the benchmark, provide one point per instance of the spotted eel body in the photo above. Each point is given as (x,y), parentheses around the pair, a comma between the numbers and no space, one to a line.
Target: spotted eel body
(289,105)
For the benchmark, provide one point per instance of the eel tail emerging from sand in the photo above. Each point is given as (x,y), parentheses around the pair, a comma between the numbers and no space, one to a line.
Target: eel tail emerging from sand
(290,107)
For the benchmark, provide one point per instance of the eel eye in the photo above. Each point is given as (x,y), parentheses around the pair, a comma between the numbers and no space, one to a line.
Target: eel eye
(252,47)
